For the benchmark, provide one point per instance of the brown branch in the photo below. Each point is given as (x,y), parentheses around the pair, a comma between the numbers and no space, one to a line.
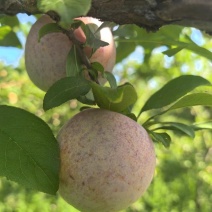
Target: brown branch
(192,13)
(13,7)
(150,14)
(79,47)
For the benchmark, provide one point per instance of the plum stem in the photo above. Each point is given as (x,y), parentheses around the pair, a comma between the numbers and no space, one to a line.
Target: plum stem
(79,47)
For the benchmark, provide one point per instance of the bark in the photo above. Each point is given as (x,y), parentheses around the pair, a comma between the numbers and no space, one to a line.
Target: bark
(150,14)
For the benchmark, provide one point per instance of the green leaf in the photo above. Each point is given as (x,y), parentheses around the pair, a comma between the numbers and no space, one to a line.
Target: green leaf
(107,75)
(4,31)
(173,90)
(95,69)
(67,9)
(203,89)
(175,126)
(92,39)
(73,63)
(65,89)
(49,28)
(163,138)
(124,49)
(194,99)
(8,37)
(93,74)
(76,24)
(111,79)
(132,116)
(87,98)
(85,108)
(165,36)
(97,66)
(198,49)
(173,51)
(171,31)
(11,21)
(29,152)
(115,99)
(203,126)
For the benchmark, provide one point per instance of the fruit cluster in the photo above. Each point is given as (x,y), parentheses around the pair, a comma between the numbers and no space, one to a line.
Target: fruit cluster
(46,59)
(107,159)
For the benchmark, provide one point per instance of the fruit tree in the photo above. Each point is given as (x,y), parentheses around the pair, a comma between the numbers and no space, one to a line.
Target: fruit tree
(94,138)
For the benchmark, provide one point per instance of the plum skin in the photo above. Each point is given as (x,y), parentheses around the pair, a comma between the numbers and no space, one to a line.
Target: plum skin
(107,161)
(45,61)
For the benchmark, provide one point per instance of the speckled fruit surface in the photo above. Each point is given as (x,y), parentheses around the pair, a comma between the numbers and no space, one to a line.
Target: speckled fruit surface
(107,161)
(46,60)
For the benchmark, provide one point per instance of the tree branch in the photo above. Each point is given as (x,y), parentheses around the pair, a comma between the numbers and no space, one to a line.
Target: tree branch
(192,13)
(13,7)
(150,14)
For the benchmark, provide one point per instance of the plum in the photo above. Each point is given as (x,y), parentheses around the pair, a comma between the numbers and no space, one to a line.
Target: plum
(107,161)
(46,60)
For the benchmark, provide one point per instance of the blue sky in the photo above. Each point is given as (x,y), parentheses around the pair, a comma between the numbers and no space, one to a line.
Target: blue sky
(11,55)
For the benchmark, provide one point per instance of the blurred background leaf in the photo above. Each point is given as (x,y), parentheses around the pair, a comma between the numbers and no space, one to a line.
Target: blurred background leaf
(67,9)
